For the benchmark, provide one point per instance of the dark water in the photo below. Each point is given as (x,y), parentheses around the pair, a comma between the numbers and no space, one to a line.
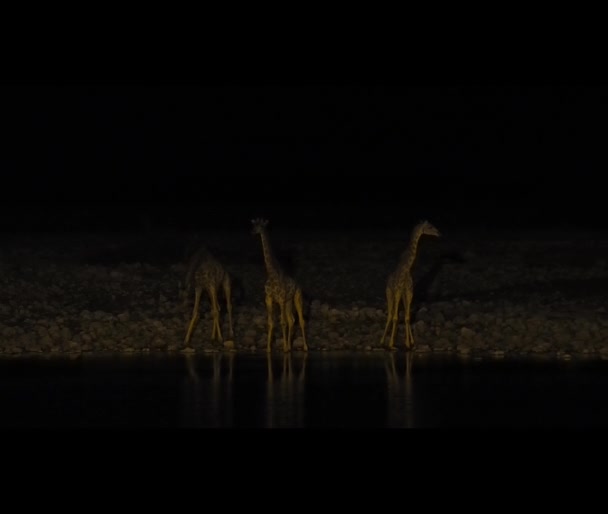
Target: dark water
(318,390)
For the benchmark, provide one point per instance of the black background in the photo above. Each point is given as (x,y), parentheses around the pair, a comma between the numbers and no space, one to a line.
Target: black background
(114,155)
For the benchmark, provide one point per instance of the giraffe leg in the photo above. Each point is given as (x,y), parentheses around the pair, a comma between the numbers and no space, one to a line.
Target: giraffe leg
(393,368)
(389,367)
(217,366)
(409,357)
(404,301)
(195,314)
(269,366)
(215,310)
(270,320)
(227,294)
(303,368)
(210,294)
(286,366)
(409,336)
(191,369)
(230,366)
(396,300)
(300,310)
(284,325)
(290,322)
(389,315)
(269,393)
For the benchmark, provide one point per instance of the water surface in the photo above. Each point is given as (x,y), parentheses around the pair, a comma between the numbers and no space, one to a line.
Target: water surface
(318,390)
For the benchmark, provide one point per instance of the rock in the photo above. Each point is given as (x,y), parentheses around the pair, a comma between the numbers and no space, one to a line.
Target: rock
(437,318)
(473,319)
(124,317)
(419,327)
(46,341)
(42,331)
(110,345)
(298,343)
(562,337)
(248,340)
(251,333)
(423,315)
(158,343)
(260,321)
(369,312)
(467,333)
(441,345)
(583,335)
(334,314)
(463,348)
(541,347)
(65,334)
(8,332)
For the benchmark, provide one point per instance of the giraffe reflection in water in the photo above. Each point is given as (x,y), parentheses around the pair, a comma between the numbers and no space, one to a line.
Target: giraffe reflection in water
(208,401)
(285,393)
(400,394)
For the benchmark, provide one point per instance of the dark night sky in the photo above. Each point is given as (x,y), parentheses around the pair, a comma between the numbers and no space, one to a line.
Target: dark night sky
(376,154)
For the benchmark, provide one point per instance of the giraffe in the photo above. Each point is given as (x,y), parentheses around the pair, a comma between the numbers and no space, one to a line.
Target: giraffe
(280,289)
(285,396)
(400,409)
(400,286)
(206,272)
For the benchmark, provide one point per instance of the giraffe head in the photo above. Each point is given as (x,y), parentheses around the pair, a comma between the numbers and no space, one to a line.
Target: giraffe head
(426,228)
(259,225)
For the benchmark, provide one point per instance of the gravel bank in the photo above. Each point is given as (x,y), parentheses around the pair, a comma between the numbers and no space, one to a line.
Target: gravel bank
(476,292)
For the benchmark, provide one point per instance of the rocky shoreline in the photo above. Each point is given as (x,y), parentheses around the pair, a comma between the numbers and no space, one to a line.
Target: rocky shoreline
(477,293)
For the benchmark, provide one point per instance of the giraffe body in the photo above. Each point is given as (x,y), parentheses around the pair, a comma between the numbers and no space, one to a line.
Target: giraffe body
(206,273)
(282,290)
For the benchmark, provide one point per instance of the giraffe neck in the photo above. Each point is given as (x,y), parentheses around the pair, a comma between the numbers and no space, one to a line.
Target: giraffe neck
(409,255)
(268,257)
